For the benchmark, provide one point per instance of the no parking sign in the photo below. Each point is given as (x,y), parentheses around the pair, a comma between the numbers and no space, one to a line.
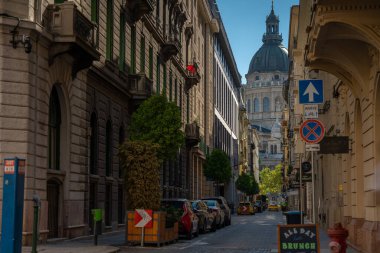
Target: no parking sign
(312,131)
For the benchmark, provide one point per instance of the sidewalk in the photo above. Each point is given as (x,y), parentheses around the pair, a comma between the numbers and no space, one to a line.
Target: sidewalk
(107,243)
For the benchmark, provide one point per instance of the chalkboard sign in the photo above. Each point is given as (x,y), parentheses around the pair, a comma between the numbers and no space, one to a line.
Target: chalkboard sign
(298,238)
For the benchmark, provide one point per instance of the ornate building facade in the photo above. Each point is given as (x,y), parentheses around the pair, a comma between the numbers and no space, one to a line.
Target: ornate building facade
(339,42)
(72,73)
(263,92)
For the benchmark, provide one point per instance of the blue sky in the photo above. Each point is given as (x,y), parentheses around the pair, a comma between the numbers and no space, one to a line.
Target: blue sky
(244,21)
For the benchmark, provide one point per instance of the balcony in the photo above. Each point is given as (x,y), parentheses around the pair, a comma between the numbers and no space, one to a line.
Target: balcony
(192,134)
(73,35)
(138,8)
(171,47)
(140,87)
(193,77)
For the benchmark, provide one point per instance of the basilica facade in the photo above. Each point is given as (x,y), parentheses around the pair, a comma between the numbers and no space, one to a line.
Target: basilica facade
(267,72)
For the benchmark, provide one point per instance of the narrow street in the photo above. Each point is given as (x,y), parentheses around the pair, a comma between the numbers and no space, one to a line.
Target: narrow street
(253,234)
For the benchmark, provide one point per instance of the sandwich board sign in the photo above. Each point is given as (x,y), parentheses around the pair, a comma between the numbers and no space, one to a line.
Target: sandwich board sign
(298,238)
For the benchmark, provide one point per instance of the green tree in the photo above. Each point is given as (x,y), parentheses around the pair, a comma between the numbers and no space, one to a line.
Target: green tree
(159,121)
(247,183)
(141,169)
(271,180)
(244,183)
(217,166)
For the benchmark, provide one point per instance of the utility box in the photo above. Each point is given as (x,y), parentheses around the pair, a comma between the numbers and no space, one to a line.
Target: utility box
(13,205)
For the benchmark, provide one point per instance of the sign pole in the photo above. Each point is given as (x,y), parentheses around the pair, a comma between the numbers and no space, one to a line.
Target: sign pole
(301,194)
(142,236)
(312,182)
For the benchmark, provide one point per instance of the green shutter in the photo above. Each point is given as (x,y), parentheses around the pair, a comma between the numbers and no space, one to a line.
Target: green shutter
(58,1)
(170,85)
(95,11)
(122,42)
(109,31)
(142,54)
(133,50)
(151,62)
(158,75)
(164,80)
(175,90)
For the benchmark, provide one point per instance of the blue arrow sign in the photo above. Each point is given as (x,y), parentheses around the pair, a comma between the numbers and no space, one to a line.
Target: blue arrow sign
(310,91)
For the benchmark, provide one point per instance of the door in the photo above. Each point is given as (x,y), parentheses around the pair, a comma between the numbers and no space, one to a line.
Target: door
(53,208)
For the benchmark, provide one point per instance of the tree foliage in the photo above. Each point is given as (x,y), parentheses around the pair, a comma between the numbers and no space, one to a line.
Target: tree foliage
(217,166)
(247,183)
(141,169)
(271,180)
(158,121)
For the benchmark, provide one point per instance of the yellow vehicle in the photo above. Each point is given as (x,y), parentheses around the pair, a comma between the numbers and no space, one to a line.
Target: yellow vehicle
(273,206)
(245,208)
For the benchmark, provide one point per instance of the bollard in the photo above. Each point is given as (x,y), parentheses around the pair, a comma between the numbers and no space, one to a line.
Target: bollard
(37,203)
(338,235)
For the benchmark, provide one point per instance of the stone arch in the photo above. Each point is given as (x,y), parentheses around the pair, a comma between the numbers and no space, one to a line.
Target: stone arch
(350,61)
(359,175)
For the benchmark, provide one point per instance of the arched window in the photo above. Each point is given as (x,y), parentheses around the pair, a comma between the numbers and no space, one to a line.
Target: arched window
(256,105)
(54,130)
(108,148)
(249,106)
(275,149)
(266,104)
(93,143)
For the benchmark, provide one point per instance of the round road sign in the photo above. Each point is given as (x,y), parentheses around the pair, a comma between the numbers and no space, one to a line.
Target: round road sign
(312,131)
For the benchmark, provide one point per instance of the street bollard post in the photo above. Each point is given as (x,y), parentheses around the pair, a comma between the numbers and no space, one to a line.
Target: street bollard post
(37,204)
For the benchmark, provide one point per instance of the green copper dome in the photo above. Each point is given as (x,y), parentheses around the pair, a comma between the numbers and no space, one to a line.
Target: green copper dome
(272,55)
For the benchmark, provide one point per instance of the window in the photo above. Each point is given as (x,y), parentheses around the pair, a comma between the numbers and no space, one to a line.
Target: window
(151,62)
(164,80)
(142,54)
(108,205)
(158,75)
(266,104)
(170,85)
(120,205)
(175,90)
(54,130)
(256,105)
(93,144)
(108,148)
(276,77)
(95,18)
(122,42)
(257,78)
(109,31)
(133,50)
(121,141)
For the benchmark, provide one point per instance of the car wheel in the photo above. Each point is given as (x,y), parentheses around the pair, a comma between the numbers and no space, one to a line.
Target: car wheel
(196,234)
(190,233)
(213,226)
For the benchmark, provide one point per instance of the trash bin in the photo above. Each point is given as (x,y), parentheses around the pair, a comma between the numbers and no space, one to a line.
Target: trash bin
(293,217)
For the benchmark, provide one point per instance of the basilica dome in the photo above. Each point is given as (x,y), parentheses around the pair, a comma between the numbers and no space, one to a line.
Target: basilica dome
(272,55)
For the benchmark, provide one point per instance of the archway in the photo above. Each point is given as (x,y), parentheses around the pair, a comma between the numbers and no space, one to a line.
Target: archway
(359,176)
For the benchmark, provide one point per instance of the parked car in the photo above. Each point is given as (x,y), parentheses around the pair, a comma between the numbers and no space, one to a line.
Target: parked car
(246,208)
(273,206)
(205,216)
(224,205)
(259,206)
(217,211)
(188,221)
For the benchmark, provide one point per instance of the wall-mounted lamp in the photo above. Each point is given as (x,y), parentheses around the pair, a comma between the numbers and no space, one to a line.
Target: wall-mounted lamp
(16,38)
(336,93)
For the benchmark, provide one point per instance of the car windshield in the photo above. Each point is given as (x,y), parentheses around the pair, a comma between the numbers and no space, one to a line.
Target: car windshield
(210,202)
(194,204)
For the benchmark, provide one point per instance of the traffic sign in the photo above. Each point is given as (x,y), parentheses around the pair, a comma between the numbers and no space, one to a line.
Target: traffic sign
(310,111)
(312,131)
(143,218)
(310,91)
(312,147)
